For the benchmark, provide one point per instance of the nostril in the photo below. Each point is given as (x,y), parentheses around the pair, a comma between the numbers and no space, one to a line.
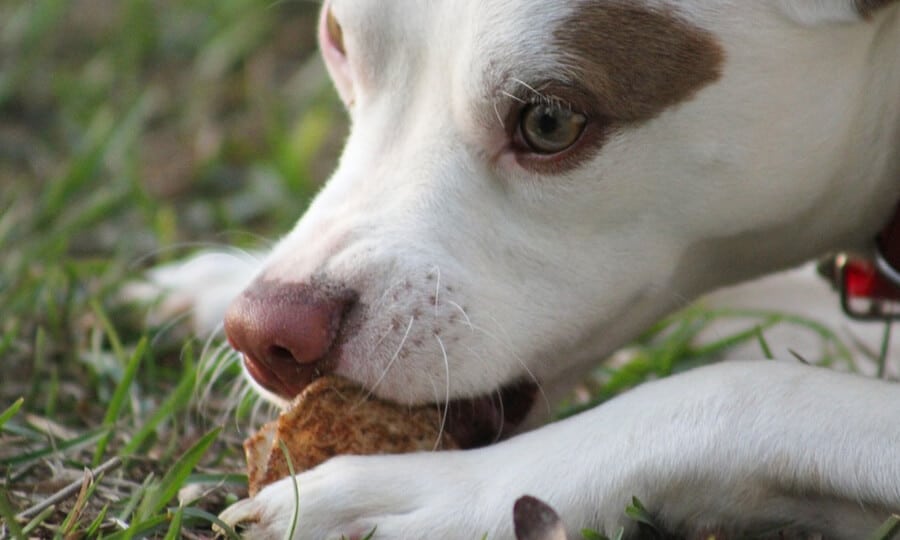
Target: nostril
(286,331)
(277,353)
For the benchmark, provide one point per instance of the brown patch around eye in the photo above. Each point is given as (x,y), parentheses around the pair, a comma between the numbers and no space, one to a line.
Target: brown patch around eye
(867,7)
(637,61)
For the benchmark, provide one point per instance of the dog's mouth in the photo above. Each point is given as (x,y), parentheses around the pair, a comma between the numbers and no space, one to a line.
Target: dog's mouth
(472,422)
(485,420)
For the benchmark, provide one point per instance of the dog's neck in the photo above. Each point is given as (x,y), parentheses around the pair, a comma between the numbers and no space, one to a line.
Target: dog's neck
(878,127)
(868,281)
(887,44)
(865,186)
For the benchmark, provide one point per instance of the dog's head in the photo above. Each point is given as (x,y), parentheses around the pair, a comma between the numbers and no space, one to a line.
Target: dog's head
(528,184)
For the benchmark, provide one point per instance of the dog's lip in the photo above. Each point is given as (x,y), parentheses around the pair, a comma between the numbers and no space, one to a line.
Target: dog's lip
(267,375)
(472,422)
(484,420)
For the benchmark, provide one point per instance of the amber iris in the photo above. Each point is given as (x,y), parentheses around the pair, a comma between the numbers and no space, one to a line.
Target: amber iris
(549,128)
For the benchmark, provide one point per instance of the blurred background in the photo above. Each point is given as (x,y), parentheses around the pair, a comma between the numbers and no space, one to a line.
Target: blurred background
(134,132)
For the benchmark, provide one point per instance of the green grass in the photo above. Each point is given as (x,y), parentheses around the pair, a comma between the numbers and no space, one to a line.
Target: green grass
(131,133)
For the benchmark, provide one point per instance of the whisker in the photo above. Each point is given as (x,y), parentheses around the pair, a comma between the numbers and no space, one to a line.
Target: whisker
(502,416)
(257,410)
(514,97)
(528,86)
(499,118)
(440,412)
(239,390)
(207,344)
(506,345)
(213,362)
(216,359)
(211,371)
(383,337)
(254,412)
(464,314)
(164,329)
(446,392)
(390,288)
(391,361)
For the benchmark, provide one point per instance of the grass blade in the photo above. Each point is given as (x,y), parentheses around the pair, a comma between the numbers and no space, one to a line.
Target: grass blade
(73,518)
(174,531)
(94,527)
(140,528)
(94,476)
(38,519)
(219,526)
(763,344)
(110,330)
(176,401)
(118,399)
(9,336)
(163,491)
(888,530)
(11,411)
(58,448)
(885,348)
(8,515)
(135,497)
(638,513)
(827,335)
(295,513)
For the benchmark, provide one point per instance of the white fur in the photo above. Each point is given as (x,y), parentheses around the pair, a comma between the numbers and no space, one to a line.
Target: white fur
(738,443)
(791,154)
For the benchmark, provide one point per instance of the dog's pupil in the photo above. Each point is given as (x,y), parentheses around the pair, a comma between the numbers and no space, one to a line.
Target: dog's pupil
(548,124)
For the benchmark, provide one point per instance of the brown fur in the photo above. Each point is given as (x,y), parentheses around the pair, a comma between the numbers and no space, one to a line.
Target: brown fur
(635,60)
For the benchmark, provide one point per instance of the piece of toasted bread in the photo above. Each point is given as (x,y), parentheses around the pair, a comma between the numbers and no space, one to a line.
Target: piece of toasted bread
(331,417)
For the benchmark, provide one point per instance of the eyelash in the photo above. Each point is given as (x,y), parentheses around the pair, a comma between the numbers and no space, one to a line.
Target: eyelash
(553,163)
(520,103)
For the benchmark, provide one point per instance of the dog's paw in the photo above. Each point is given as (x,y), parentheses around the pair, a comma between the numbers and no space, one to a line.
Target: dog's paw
(199,287)
(410,496)
(241,515)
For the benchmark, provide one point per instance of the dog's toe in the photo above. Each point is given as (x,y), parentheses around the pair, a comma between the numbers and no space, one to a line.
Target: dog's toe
(242,515)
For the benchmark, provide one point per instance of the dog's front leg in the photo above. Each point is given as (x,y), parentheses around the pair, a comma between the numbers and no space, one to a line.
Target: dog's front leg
(737,446)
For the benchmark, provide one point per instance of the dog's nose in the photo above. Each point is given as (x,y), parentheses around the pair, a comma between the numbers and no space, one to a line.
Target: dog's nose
(286,331)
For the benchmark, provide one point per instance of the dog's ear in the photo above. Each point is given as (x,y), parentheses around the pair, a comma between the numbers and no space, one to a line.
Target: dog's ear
(810,12)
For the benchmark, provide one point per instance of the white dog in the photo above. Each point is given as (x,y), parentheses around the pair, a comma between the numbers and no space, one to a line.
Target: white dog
(527,186)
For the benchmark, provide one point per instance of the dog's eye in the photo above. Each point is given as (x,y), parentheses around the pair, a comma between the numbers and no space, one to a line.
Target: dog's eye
(335,32)
(549,128)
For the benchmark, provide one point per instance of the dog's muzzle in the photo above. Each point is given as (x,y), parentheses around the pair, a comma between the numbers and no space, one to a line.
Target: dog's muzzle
(289,335)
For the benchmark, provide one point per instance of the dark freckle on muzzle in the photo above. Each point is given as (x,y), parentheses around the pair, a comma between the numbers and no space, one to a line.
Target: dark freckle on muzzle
(287,331)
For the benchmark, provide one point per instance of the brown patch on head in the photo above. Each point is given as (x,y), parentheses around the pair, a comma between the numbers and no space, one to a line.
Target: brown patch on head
(635,59)
(867,7)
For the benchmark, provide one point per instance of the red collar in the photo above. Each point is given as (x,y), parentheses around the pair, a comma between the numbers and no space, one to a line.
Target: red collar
(870,285)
